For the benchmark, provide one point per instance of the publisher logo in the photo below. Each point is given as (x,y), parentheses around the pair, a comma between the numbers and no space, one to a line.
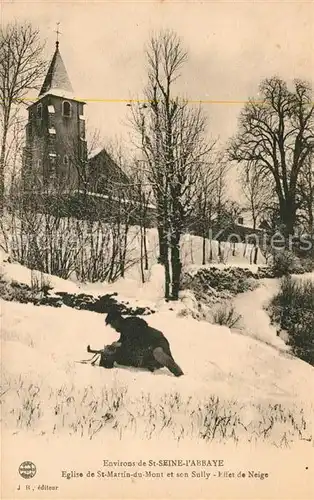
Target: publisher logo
(27,470)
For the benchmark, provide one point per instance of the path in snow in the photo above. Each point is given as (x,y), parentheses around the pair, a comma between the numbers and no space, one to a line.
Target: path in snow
(255,322)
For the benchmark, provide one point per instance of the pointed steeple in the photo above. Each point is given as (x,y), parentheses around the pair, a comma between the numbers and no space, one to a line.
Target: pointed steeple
(57,79)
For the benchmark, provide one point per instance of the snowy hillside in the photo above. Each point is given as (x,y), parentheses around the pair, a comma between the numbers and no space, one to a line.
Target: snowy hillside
(240,388)
(42,340)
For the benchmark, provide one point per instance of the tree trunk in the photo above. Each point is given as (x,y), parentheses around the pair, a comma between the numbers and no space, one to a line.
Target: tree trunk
(145,248)
(255,254)
(167,274)
(176,266)
(219,250)
(163,257)
(204,249)
(142,255)
(2,165)
(163,245)
(124,250)
(191,251)
(210,251)
(288,215)
(311,218)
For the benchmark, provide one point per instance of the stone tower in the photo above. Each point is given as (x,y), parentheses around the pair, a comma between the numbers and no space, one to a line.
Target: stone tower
(55,132)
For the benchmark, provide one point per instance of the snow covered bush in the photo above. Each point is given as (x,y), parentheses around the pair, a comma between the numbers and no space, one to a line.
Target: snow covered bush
(38,294)
(15,291)
(92,250)
(212,289)
(293,310)
(286,262)
(210,280)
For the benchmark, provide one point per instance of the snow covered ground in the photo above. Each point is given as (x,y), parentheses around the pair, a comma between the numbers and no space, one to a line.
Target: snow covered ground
(210,355)
(42,340)
(39,341)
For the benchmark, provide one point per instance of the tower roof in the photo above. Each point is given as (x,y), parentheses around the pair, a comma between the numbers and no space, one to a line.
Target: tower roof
(57,80)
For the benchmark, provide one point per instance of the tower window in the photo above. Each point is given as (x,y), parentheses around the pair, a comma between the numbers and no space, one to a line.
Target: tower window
(52,158)
(65,160)
(39,110)
(66,109)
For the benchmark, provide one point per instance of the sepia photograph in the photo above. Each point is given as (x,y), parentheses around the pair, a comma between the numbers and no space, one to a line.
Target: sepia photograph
(157,249)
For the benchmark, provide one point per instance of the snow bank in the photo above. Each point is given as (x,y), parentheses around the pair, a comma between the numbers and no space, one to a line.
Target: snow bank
(13,271)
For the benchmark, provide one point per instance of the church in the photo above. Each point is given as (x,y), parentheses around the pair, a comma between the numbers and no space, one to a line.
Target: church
(56,158)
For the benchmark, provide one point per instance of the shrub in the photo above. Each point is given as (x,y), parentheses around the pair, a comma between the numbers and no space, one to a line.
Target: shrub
(286,262)
(226,316)
(38,294)
(212,287)
(308,264)
(58,244)
(210,280)
(15,292)
(40,284)
(293,309)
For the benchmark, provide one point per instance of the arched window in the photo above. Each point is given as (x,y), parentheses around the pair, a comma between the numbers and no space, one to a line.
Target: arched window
(66,109)
(39,110)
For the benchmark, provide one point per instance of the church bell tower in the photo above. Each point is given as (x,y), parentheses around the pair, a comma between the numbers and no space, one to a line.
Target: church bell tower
(55,132)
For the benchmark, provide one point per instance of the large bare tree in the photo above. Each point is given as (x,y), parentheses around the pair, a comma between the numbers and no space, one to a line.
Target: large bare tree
(21,68)
(276,137)
(174,147)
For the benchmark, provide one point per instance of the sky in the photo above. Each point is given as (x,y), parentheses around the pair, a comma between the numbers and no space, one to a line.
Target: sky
(231,46)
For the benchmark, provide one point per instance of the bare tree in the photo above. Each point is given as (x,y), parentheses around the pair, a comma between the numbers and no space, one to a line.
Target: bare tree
(21,68)
(174,147)
(14,156)
(222,218)
(276,136)
(257,191)
(209,199)
(142,194)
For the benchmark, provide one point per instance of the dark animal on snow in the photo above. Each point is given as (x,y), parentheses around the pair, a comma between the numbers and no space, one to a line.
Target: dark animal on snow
(136,336)
(114,353)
